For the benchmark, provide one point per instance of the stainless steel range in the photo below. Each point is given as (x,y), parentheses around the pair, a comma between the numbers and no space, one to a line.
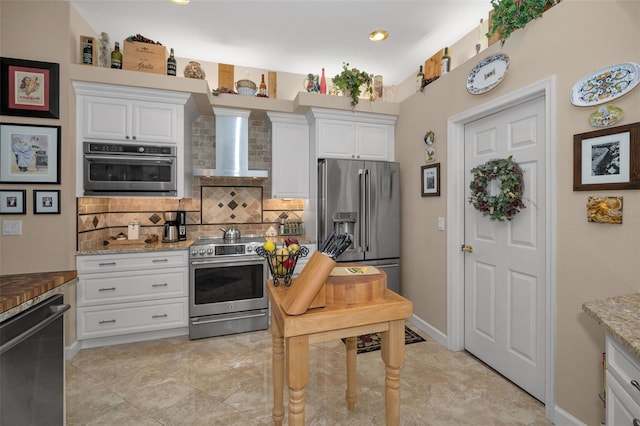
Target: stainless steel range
(227,287)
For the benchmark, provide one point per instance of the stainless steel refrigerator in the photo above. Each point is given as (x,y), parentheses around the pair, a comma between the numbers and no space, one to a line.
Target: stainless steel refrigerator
(362,198)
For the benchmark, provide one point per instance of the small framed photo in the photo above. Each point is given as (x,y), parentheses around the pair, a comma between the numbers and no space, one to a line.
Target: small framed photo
(13,202)
(29,88)
(430,176)
(29,153)
(607,159)
(46,202)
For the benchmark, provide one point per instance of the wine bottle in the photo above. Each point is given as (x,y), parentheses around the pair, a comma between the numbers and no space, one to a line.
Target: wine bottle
(171,64)
(87,52)
(116,57)
(446,62)
(419,80)
(323,84)
(262,89)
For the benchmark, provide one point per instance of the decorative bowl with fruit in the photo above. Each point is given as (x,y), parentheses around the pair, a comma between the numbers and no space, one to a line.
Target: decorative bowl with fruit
(282,261)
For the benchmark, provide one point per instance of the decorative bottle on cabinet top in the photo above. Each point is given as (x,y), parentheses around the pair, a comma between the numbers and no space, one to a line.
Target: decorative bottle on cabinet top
(262,89)
(446,62)
(116,57)
(171,64)
(419,79)
(323,84)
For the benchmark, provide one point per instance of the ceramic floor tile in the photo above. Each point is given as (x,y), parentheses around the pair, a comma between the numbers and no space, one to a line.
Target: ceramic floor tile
(227,381)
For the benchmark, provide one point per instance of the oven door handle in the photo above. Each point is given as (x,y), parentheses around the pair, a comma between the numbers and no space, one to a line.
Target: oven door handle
(196,322)
(129,159)
(214,262)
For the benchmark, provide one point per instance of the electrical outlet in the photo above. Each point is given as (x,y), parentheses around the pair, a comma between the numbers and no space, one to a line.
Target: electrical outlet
(441,224)
(11,227)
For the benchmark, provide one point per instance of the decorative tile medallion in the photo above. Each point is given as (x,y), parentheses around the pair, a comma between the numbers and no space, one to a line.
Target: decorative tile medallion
(224,204)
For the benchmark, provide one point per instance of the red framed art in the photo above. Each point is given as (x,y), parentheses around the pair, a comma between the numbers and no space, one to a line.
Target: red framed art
(29,88)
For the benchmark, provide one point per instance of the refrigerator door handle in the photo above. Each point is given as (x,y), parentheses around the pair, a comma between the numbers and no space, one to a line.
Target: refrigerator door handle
(367,184)
(362,207)
(323,220)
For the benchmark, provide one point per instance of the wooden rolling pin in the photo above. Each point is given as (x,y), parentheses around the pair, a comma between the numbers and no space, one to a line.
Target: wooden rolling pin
(305,288)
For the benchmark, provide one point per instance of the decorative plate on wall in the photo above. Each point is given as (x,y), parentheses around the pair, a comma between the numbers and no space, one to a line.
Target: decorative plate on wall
(606,115)
(488,74)
(606,84)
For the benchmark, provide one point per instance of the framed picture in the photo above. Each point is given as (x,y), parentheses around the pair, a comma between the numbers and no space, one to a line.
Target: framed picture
(29,153)
(29,88)
(430,176)
(13,202)
(607,159)
(46,202)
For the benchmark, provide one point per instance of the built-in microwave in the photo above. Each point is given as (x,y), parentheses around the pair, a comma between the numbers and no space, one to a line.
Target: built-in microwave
(129,169)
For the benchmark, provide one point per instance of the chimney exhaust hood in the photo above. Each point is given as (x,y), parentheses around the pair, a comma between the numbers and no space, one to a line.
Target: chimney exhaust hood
(232,146)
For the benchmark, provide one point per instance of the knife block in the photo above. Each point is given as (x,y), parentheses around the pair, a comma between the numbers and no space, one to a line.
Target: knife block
(307,290)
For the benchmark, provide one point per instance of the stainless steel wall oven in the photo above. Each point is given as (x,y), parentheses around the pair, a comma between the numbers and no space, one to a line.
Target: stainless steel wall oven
(227,287)
(129,169)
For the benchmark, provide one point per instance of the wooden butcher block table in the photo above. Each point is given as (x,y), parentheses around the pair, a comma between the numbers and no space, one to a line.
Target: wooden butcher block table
(355,305)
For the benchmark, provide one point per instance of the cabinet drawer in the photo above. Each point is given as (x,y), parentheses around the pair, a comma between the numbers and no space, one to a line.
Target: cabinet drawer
(126,318)
(621,408)
(91,264)
(624,367)
(132,286)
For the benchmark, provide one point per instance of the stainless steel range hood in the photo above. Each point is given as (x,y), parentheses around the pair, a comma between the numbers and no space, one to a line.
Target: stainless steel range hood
(232,146)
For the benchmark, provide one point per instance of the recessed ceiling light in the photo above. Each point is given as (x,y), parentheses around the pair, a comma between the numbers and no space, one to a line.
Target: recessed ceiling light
(378,35)
(180,2)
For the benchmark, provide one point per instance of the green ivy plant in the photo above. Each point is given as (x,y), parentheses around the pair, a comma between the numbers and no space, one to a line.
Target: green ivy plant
(352,80)
(509,15)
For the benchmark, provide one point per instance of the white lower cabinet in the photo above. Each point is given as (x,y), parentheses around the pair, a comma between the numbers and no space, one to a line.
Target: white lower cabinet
(125,294)
(623,385)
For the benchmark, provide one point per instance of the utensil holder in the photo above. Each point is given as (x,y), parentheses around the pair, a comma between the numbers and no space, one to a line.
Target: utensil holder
(282,265)
(306,287)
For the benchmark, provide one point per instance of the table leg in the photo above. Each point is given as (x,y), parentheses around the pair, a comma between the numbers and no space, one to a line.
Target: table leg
(297,359)
(393,357)
(278,372)
(352,392)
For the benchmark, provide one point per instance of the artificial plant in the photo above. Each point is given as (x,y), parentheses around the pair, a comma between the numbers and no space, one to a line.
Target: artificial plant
(352,80)
(509,15)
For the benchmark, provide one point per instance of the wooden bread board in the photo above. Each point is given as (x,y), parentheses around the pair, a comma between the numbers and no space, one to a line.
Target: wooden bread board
(354,289)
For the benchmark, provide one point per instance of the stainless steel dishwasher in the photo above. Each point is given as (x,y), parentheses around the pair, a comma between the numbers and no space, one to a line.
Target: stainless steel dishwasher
(32,365)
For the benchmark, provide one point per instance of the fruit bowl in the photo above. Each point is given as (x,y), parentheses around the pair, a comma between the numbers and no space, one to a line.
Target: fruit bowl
(282,261)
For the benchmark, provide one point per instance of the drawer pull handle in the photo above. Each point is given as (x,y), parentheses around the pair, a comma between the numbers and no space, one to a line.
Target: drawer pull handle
(159,316)
(107,321)
(160,285)
(160,260)
(636,422)
(635,384)
(107,289)
(107,264)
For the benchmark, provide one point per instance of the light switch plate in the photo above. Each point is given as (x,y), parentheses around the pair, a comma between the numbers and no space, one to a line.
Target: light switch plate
(11,227)
(441,224)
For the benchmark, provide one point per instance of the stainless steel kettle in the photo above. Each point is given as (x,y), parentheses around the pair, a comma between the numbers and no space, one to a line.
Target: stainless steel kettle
(231,234)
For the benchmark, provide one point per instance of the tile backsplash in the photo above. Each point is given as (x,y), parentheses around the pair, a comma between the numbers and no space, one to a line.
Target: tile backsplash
(216,201)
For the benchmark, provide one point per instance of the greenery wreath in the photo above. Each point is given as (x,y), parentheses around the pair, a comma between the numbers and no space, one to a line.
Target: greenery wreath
(508,200)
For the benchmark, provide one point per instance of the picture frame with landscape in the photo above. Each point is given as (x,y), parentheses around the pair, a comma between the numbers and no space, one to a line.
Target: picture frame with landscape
(430,176)
(607,159)
(29,153)
(29,88)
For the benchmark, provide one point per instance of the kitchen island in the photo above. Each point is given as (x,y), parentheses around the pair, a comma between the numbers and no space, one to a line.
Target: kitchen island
(18,292)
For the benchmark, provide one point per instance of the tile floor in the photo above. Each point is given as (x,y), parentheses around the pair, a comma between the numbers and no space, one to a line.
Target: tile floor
(227,381)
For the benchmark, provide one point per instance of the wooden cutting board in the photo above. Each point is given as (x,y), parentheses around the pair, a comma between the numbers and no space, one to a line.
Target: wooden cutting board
(116,243)
(226,76)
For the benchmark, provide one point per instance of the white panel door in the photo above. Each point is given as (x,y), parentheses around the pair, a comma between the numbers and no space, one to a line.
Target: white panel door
(505,273)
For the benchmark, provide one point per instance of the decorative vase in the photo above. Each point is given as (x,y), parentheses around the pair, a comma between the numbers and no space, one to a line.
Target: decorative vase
(194,70)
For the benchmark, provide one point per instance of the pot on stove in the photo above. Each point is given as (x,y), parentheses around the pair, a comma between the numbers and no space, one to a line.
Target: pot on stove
(231,234)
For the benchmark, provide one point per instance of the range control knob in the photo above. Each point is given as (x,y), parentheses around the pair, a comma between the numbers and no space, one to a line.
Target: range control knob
(209,251)
(141,149)
(194,252)
(202,252)
(250,248)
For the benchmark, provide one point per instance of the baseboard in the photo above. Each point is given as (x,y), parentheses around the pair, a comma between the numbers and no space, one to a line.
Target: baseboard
(563,418)
(431,331)
(72,350)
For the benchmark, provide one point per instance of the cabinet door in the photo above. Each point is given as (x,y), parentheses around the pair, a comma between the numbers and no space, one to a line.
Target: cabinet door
(621,409)
(374,142)
(155,122)
(336,139)
(107,118)
(290,160)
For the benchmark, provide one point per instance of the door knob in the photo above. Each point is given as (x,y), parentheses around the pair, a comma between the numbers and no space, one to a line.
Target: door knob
(467,249)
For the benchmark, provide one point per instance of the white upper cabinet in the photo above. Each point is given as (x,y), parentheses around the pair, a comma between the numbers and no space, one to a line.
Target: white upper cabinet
(126,120)
(352,135)
(289,155)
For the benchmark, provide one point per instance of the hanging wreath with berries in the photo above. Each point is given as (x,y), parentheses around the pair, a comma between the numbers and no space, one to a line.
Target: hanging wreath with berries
(506,202)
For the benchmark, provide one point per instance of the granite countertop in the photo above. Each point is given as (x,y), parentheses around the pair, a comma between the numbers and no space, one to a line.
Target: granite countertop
(19,292)
(620,316)
(137,248)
